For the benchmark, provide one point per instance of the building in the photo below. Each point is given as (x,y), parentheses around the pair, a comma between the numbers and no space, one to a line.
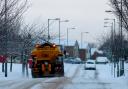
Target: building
(72,50)
(82,54)
(95,53)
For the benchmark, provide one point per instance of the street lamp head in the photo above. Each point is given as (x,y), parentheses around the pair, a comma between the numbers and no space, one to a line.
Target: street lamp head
(66,20)
(105,26)
(54,19)
(86,32)
(109,19)
(108,11)
(57,18)
(73,28)
(106,19)
(106,22)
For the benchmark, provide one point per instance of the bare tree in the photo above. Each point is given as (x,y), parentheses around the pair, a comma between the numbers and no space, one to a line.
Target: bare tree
(10,16)
(14,11)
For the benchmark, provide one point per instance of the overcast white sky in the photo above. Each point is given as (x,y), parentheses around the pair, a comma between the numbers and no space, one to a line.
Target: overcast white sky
(84,15)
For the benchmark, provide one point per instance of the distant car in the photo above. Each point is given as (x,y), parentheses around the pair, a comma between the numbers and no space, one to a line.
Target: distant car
(69,60)
(66,60)
(90,65)
(101,60)
(77,61)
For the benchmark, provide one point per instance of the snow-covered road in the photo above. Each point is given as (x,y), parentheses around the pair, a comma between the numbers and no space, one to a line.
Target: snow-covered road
(75,78)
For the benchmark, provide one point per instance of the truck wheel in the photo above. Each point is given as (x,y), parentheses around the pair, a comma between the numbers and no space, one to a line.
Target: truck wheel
(33,74)
(52,69)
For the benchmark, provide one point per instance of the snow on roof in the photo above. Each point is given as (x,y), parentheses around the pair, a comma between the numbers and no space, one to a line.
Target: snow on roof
(93,50)
(99,51)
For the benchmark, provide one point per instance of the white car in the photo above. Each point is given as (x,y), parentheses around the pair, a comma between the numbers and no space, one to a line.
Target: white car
(101,60)
(90,64)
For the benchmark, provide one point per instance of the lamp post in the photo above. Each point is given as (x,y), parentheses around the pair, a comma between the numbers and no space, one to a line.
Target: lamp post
(121,40)
(114,22)
(111,35)
(82,37)
(113,32)
(6,39)
(112,47)
(59,26)
(48,27)
(67,34)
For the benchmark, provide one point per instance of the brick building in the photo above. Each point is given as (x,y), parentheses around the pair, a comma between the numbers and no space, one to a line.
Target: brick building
(72,50)
(82,54)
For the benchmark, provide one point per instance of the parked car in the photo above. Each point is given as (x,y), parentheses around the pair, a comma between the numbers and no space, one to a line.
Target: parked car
(101,60)
(69,60)
(73,60)
(90,65)
(77,61)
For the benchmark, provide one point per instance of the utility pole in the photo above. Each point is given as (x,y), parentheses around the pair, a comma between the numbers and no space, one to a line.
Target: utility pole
(67,34)
(81,39)
(59,31)
(60,26)
(6,38)
(48,31)
(114,47)
(111,46)
(121,34)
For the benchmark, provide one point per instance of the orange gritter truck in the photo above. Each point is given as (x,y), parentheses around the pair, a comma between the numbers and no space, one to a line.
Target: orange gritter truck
(47,60)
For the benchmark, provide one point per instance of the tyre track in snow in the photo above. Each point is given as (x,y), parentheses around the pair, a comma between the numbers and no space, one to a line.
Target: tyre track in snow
(48,83)
(7,83)
(88,79)
(77,71)
(24,85)
(20,84)
(69,80)
(55,83)
(28,84)
(60,82)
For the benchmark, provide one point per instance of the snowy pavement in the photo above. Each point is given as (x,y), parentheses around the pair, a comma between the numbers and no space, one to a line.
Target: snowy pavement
(76,77)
